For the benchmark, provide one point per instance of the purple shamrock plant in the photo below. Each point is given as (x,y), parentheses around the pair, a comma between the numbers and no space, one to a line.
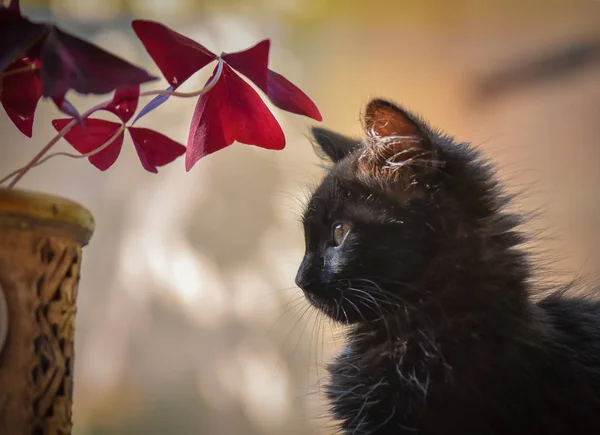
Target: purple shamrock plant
(40,60)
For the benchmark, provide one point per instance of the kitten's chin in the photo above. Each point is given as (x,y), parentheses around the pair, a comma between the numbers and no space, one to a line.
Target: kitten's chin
(317,302)
(330,308)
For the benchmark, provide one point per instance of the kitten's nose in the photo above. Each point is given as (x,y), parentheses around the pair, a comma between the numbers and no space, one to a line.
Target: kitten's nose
(305,277)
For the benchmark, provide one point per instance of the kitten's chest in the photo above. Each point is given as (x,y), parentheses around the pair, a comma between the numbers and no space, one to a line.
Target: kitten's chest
(382,389)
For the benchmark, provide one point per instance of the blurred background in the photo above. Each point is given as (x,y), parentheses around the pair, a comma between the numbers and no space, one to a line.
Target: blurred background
(189,321)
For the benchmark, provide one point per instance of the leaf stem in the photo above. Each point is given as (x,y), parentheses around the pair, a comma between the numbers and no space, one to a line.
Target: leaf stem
(89,154)
(50,144)
(204,90)
(30,67)
(39,157)
(71,155)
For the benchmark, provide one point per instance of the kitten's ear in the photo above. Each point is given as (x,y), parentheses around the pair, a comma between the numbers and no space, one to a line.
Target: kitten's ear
(333,146)
(384,119)
(394,139)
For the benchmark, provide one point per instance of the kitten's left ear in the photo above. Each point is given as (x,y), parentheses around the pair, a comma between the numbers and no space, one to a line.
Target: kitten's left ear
(334,145)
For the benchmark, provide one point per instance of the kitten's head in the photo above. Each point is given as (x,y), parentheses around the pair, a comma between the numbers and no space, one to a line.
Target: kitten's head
(390,206)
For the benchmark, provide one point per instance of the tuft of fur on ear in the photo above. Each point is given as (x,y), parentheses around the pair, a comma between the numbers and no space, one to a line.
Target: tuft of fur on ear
(396,144)
(333,146)
(385,119)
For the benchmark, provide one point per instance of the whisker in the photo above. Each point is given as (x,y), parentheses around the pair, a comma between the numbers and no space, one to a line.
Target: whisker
(312,312)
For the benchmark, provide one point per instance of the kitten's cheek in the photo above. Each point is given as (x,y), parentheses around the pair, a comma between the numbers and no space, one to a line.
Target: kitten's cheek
(335,262)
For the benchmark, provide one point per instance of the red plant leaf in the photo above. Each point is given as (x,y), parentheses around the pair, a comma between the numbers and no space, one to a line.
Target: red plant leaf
(72,63)
(20,93)
(23,123)
(287,96)
(124,103)
(17,35)
(231,111)
(253,63)
(14,6)
(177,56)
(21,90)
(90,134)
(154,149)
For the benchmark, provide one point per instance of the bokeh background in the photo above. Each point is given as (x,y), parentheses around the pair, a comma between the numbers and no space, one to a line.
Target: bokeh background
(189,321)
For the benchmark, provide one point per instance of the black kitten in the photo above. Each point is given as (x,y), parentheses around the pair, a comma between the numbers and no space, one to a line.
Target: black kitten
(407,242)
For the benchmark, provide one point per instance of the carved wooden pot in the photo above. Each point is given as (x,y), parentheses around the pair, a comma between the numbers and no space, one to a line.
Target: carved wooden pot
(41,237)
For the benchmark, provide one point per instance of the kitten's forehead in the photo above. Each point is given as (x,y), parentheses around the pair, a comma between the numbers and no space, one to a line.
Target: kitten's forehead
(342,195)
(327,196)
(349,179)
(337,188)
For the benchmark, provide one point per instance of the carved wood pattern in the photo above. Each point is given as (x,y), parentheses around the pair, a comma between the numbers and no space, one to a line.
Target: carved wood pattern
(39,274)
(55,316)
(3,319)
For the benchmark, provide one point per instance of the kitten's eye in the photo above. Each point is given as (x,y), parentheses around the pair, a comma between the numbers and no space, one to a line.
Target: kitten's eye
(340,230)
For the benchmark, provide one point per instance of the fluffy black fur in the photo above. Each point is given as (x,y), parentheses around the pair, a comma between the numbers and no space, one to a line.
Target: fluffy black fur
(443,335)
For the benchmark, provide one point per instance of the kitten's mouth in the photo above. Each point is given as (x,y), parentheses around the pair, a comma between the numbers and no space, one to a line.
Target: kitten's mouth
(324,303)
(315,301)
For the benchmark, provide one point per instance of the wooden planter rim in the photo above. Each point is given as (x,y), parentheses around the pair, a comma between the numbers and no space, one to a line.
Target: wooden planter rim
(22,209)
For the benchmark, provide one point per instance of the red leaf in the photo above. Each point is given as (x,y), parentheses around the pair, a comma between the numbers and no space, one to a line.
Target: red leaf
(23,123)
(154,149)
(124,103)
(231,111)
(20,92)
(14,6)
(17,35)
(19,95)
(72,63)
(177,56)
(253,63)
(287,96)
(90,134)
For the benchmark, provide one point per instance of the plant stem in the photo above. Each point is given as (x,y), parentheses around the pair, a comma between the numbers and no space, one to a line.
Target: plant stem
(39,157)
(204,90)
(9,176)
(50,144)
(71,155)
(89,154)
(30,67)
